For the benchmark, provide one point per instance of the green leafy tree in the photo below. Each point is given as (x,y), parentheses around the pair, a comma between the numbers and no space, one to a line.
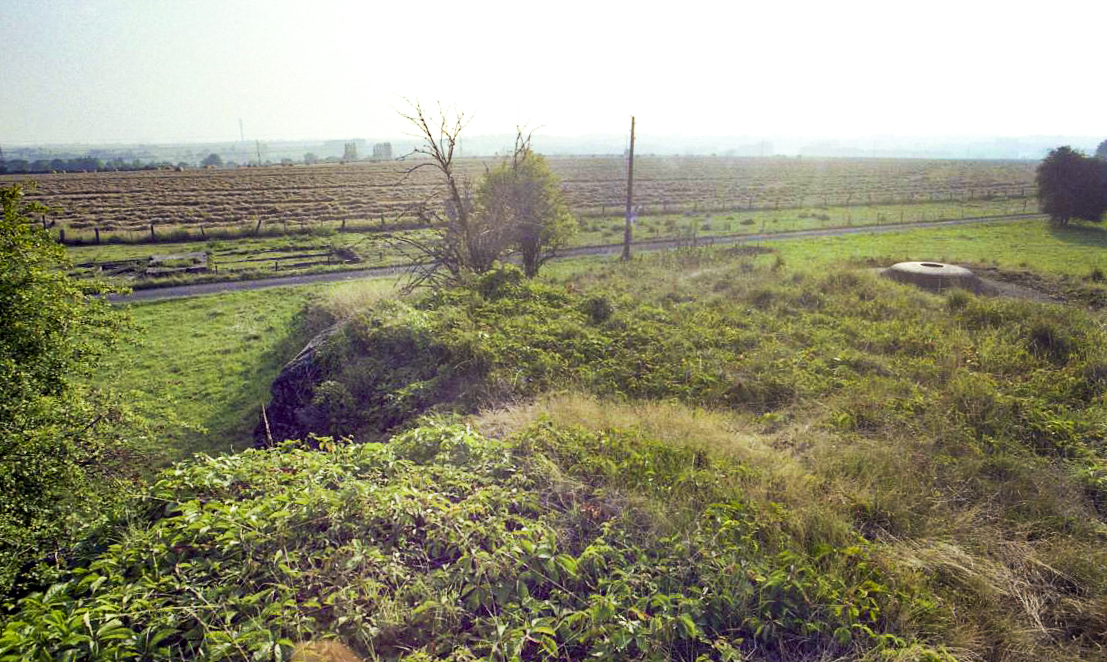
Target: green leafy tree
(1101,151)
(522,199)
(212,160)
(1072,186)
(60,438)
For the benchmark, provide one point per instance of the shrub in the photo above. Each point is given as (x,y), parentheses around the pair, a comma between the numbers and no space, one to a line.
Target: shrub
(62,442)
(958,299)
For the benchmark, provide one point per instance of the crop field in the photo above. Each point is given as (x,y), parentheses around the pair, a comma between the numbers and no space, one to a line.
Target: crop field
(367,195)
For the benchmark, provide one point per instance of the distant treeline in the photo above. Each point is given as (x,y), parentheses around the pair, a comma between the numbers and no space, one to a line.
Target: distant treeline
(81,164)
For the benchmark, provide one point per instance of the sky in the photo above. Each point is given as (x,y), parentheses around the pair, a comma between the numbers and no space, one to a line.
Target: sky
(128,71)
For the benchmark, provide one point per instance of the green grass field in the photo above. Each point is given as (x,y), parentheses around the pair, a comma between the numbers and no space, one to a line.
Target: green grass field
(709,224)
(1033,245)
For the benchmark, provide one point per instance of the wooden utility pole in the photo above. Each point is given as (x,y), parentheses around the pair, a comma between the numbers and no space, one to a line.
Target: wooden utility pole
(630,194)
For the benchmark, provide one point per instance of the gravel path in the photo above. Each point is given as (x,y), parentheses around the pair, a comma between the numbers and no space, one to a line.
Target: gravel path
(180,291)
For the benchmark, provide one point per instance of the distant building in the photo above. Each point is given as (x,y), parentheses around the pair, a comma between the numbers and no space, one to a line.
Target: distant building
(382,151)
(350,152)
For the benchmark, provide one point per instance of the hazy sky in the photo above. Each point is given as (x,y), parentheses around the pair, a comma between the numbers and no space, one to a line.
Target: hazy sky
(165,71)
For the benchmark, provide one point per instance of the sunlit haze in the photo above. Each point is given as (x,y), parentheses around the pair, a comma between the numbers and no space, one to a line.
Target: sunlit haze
(112,72)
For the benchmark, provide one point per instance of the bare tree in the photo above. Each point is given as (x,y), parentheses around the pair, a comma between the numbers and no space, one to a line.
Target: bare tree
(459,241)
(517,206)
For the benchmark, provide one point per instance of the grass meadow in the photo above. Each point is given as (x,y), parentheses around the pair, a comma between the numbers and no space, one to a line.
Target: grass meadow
(1031,244)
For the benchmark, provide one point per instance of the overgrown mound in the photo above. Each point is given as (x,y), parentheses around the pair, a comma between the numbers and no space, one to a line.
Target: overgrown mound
(557,545)
(879,358)
(746,463)
(501,339)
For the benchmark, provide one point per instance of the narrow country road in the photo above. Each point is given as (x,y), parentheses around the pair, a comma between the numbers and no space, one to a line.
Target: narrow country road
(180,291)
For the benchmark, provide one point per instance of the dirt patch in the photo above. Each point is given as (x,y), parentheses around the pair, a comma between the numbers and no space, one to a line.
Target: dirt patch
(1019,284)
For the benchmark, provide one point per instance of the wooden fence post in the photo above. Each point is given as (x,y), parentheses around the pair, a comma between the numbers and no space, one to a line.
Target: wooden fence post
(153,237)
(97,231)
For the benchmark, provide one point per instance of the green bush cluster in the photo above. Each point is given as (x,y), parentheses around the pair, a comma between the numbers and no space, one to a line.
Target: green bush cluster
(918,474)
(999,376)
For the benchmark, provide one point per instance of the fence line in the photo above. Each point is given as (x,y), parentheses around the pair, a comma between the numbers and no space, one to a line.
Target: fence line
(253,228)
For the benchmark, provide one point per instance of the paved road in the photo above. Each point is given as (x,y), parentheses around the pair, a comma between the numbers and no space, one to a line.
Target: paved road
(180,291)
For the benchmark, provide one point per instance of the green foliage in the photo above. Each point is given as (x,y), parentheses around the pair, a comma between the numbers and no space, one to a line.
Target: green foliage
(446,545)
(56,432)
(883,474)
(1071,185)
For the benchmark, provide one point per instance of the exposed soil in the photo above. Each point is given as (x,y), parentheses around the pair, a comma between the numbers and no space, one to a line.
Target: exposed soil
(1019,284)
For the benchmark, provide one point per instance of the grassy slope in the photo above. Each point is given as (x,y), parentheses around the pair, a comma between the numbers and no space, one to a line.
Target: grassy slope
(215,357)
